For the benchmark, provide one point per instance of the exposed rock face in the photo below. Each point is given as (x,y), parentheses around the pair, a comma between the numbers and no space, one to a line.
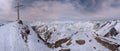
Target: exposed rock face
(25,32)
(43,29)
(65,36)
(80,42)
(112,47)
(112,32)
(100,25)
(57,43)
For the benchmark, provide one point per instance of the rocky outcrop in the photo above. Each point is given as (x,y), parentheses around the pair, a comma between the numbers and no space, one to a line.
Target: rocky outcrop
(112,32)
(25,32)
(57,43)
(64,36)
(60,42)
(112,47)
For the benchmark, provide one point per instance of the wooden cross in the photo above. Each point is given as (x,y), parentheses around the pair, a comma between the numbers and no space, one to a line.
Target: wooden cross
(18,10)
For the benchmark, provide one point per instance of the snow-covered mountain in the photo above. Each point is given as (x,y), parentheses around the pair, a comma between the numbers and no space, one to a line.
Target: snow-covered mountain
(60,36)
(80,36)
(19,37)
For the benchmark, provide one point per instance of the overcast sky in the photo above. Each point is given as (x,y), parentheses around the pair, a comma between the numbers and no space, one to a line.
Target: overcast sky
(65,10)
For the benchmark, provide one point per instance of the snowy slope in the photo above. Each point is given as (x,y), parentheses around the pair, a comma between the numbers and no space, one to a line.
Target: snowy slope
(11,38)
(80,36)
(73,36)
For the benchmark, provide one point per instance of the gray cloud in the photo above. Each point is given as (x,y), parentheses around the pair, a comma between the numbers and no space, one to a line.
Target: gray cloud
(47,10)
(6,12)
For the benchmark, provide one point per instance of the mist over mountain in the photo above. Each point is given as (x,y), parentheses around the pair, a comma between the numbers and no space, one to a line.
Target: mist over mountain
(59,25)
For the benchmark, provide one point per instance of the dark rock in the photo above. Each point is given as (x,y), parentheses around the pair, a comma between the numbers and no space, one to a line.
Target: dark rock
(38,40)
(64,50)
(94,47)
(24,36)
(112,32)
(80,42)
(90,40)
(57,43)
(60,42)
(20,22)
(112,47)
(27,31)
(50,45)
(34,28)
(48,35)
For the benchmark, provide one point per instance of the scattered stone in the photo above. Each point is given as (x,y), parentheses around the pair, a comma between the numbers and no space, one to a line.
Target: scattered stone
(76,32)
(38,40)
(87,35)
(94,47)
(90,40)
(64,50)
(80,42)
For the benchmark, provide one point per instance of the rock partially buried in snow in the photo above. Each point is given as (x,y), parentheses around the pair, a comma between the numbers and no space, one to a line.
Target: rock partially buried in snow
(112,47)
(64,50)
(80,42)
(112,32)
(60,42)
(25,32)
(20,21)
(57,43)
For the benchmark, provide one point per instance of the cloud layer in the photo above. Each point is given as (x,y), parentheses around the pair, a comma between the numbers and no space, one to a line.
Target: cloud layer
(50,10)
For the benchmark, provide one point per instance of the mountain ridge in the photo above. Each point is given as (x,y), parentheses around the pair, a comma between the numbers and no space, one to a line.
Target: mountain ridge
(80,36)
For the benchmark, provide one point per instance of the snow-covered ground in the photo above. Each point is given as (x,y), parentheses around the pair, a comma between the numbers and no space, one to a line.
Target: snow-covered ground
(60,36)
(13,37)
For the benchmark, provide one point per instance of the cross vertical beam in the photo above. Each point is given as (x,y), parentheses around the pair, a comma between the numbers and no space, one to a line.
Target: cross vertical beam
(18,10)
